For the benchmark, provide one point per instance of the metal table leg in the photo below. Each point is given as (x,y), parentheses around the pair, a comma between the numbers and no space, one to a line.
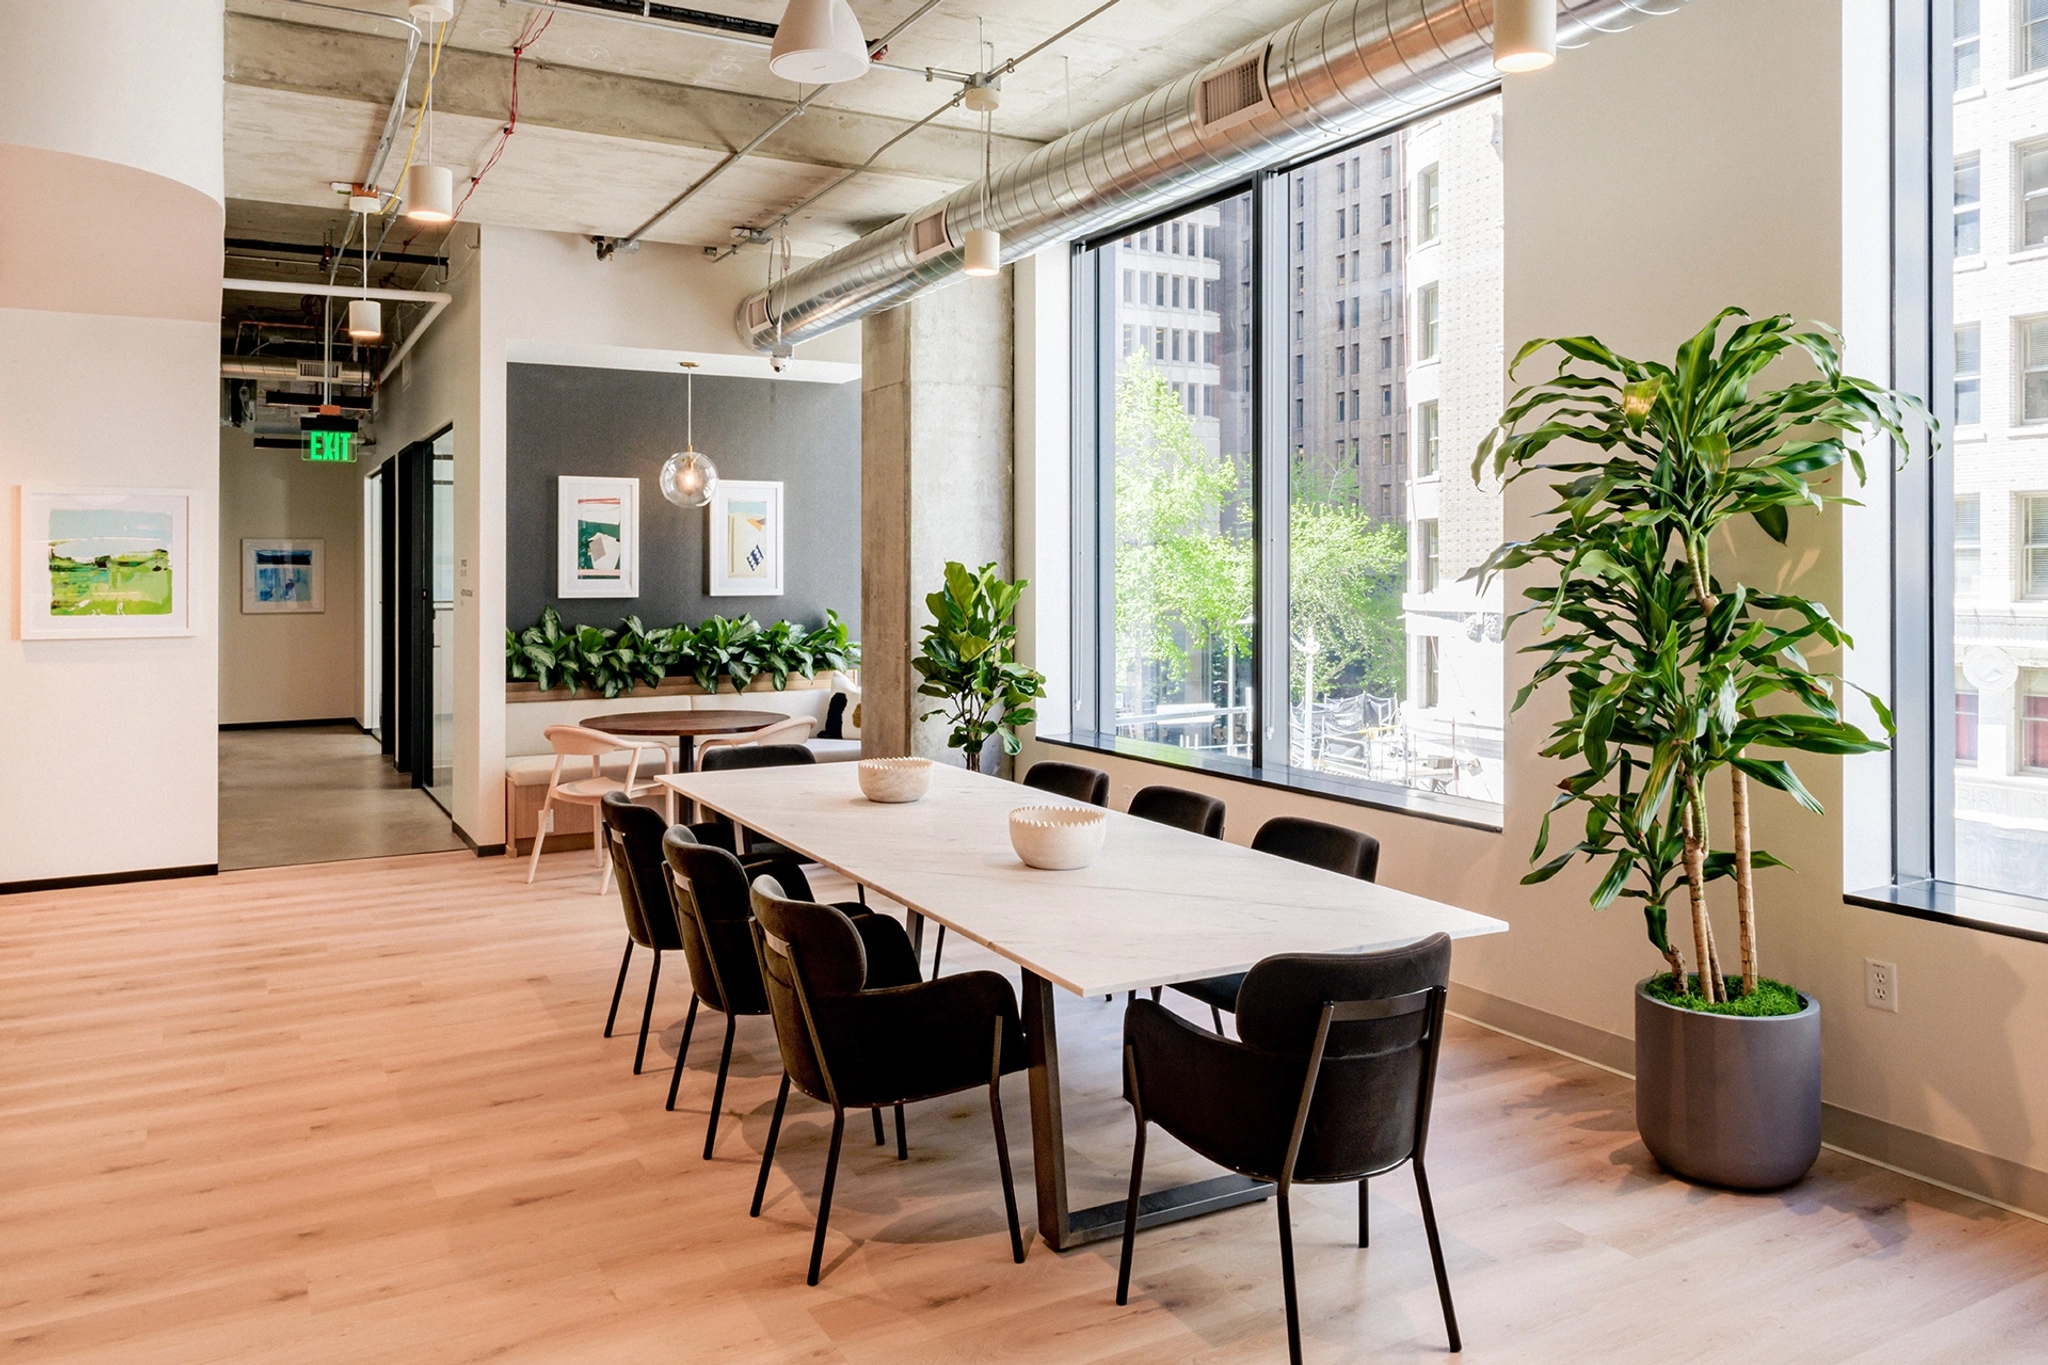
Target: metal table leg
(1060,1226)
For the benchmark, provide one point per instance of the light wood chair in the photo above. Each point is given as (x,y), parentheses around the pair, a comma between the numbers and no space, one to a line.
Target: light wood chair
(795,730)
(575,741)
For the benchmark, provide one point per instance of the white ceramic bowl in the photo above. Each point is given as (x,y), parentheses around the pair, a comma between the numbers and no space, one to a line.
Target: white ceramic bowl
(1057,838)
(894,781)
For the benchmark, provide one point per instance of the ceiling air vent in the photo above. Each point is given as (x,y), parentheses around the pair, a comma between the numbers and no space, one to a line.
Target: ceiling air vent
(1232,94)
(928,236)
(312,369)
(757,312)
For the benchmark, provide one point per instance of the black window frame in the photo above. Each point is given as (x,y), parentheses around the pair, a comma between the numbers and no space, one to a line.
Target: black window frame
(1274,220)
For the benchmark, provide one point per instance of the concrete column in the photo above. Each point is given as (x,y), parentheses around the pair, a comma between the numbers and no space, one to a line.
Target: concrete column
(936,440)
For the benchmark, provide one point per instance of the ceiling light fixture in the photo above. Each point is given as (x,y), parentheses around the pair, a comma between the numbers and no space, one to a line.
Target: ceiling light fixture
(1524,34)
(818,42)
(984,244)
(687,478)
(430,189)
(365,315)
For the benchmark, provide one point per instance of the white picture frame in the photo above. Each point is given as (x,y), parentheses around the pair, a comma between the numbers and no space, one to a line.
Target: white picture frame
(91,560)
(284,577)
(597,536)
(745,539)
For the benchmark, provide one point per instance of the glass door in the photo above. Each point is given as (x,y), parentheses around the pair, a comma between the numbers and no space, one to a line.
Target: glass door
(441,558)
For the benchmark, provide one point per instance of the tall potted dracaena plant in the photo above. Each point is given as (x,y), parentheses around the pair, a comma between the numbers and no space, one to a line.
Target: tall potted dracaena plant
(1674,675)
(969,662)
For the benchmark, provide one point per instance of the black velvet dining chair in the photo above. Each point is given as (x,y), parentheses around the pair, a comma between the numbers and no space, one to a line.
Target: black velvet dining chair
(852,1038)
(633,833)
(1191,811)
(716,828)
(708,887)
(1070,780)
(1330,1081)
(1333,848)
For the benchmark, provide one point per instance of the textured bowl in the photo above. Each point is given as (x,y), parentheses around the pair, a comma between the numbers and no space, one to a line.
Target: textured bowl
(1057,838)
(894,781)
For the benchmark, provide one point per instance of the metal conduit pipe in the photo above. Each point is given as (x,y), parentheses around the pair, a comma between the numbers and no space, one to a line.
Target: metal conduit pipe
(1345,69)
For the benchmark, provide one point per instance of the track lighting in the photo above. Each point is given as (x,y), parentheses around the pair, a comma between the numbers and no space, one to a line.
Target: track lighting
(818,42)
(1524,34)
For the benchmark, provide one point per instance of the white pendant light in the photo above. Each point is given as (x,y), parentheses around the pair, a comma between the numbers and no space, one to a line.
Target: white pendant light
(687,478)
(1524,34)
(984,253)
(430,193)
(985,244)
(365,320)
(818,42)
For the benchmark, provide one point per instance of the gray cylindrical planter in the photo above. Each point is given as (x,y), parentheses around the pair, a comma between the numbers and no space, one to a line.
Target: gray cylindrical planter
(1727,1100)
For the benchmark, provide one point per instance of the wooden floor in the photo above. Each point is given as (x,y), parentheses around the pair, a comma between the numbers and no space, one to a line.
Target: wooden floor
(362,1112)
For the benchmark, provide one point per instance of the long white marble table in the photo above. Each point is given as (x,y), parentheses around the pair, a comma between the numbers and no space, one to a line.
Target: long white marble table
(1158,905)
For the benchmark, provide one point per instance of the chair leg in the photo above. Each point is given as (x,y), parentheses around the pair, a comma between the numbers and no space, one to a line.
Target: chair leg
(718,1089)
(825,1195)
(1155,994)
(938,952)
(604,857)
(647,1012)
(995,1109)
(1287,1279)
(1436,1255)
(902,1142)
(1216,1017)
(540,834)
(683,1050)
(619,989)
(1123,1274)
(768,1150)
(880,1136)
(1364,1226)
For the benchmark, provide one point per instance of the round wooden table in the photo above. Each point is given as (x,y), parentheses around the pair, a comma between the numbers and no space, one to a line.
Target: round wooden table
(685,726)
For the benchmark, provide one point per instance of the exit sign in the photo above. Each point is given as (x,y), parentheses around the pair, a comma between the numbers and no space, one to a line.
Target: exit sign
(331,447)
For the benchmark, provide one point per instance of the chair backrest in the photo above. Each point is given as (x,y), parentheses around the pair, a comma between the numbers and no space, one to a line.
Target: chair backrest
(1330,847)
(715,920)
(633,834)
(1070,780)
(1371,1104)
(1181,809)
(581,742)
(757,756)
(817,945)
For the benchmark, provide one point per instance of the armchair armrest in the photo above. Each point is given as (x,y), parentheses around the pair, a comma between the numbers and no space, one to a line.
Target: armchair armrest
(913,1042)
(1231,1102)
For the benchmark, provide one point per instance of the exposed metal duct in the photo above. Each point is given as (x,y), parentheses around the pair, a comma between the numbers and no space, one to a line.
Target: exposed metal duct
(287,371)
(1345,69)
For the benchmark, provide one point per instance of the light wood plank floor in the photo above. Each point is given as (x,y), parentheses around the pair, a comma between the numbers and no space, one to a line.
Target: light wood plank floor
(362,1112)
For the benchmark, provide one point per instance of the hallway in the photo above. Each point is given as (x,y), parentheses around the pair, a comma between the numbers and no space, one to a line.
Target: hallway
(319,794)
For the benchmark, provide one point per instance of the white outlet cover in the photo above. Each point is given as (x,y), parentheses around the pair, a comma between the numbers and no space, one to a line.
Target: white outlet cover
(1881,985)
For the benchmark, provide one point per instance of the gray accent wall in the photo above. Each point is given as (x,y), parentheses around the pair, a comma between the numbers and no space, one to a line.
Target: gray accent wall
(562,419)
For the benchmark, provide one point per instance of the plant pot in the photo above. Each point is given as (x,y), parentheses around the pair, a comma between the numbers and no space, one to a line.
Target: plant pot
(1727,1100)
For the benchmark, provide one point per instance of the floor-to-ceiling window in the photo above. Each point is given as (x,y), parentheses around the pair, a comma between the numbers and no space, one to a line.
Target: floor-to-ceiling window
(1281,392)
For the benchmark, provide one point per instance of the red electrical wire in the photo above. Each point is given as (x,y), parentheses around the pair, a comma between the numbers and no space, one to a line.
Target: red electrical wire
(530,32)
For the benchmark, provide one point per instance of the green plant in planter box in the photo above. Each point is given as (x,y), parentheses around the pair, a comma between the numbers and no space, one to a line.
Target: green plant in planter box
(553,654)
(1672,674)
(969,661)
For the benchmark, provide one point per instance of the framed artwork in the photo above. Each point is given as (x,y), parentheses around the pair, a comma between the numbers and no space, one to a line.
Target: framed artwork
(283,576)
(597,537)
(746,539)
(105,563)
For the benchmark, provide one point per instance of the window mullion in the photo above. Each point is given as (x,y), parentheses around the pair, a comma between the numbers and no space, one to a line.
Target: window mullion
(1270,492)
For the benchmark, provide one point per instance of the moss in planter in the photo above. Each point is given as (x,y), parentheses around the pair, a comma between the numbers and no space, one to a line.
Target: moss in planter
(1770,998)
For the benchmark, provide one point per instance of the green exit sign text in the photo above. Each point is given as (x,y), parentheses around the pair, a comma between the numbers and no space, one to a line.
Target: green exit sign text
(331,447)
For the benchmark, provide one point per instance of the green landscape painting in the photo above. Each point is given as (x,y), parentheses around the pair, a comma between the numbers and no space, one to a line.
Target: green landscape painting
(110,562)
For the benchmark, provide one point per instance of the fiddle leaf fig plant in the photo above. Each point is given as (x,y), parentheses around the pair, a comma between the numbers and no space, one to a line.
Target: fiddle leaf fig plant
(969,661)
(1671,673)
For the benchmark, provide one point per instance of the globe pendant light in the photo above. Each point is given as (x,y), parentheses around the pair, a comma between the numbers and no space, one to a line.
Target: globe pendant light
(687,478)
(818,42)
(1524,34)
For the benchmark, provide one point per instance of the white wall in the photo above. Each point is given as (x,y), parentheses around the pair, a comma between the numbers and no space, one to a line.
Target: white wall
(110,137)
(545,297)
(1653,177)
(284,666)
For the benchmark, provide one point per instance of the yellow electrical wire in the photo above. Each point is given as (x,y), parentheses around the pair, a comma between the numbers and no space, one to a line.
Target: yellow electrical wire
(426,99)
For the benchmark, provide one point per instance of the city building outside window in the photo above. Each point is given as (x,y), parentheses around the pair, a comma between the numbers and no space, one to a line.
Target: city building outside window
(1966,722)
(2033,36)
(1427,208)
(1968,207)
(1425,438)
(1426,324)
(2033,187)
(1969,374)
(2033,566)
(1969,544)
(2034,370)
(1967,63)
(1386,210)
(2034,721)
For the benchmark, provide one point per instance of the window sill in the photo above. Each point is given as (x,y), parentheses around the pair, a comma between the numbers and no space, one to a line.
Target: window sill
(1449,810)
(1993,912)
(2027,256)
(2027,78)
(1966,264)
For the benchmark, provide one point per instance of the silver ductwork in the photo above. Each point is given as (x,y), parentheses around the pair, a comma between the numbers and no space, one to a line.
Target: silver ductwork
(1345,69)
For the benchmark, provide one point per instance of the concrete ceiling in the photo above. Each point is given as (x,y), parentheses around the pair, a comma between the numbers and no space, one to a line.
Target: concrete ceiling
(616,119)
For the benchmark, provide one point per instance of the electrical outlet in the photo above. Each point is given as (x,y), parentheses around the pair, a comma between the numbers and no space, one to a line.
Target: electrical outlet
(549,817)
(1881,985)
